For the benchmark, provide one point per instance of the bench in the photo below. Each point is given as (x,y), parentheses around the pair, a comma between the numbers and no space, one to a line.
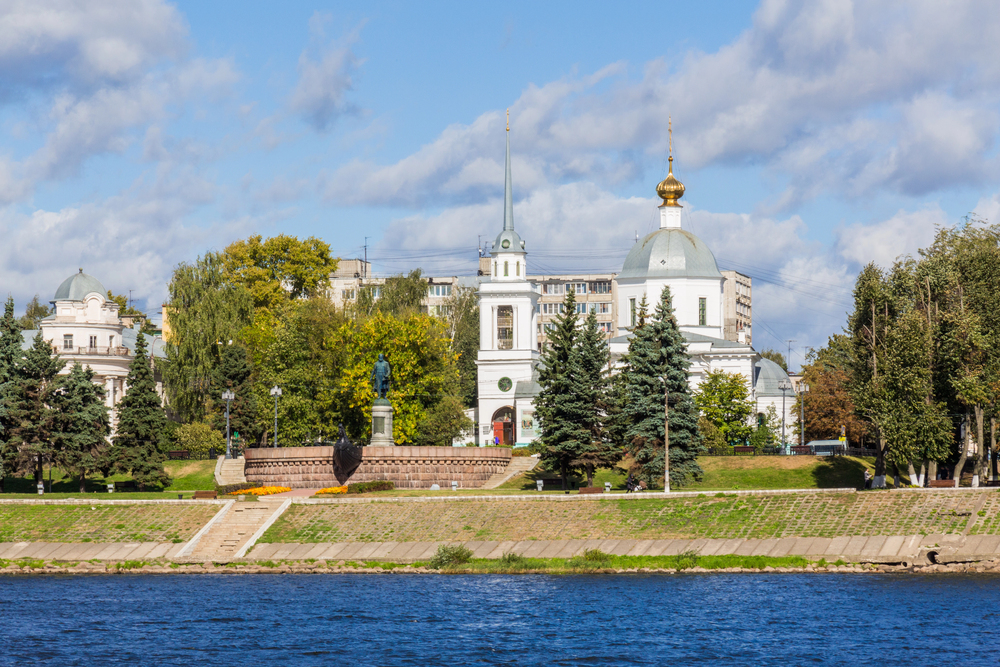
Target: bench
(127,485)
(591,489)
(179,455)
(802,449)
(743,449)
(205,495)
(941,483)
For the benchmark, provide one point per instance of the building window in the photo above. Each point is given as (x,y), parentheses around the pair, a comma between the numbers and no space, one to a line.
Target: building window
(600,307)
(506,270)
(67,341)
(347,294)
(605,326)
(93,342)
(111,341)
(578,288)
(517,268)
(495,273)
(505,327)
(631,310)
(581,309)
(552,288)
(702,311)
(439,290)
(603,287)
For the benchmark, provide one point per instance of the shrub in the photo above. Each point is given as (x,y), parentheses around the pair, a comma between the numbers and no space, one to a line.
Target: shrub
(686,559)
(368,487)
(450,554)
(198,438)
(511,559)
(226,489)
(596,556)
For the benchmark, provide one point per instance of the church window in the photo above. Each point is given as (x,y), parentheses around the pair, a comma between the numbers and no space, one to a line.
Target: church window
(67,341)
(702,311)
(517,268)
(505,327)
(506,271)
(111,341)
(631,310)
(93,342)
(495,269)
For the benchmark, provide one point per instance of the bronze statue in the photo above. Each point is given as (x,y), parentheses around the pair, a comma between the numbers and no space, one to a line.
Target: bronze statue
(381,373)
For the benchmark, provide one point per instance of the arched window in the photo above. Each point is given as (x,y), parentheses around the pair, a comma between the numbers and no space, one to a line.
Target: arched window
(495,269)
(517,268)
(505,270)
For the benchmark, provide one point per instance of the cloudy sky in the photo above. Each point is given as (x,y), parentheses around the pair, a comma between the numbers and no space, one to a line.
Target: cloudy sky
(813,137)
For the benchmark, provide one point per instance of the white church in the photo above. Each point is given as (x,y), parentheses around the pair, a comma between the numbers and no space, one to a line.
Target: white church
(671,257)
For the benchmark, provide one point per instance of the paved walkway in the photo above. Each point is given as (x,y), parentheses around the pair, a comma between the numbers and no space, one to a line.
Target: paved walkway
(294,493)
(885,549)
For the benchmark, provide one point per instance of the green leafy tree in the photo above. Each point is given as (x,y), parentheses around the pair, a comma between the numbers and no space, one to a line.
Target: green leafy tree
(442,423)
(34,312)
(657,352)
(724,400)
(398,296)
(235,373)
(561,403)
(198,438)
(127,310)
(598,450)
(205,310)
(279,269)
(31,410)
(82,424)
(11,357)
(463,326)
(137,445)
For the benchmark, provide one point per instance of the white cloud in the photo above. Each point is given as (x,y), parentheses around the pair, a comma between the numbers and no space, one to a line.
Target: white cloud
(835,97)
(326,72)
(884,241)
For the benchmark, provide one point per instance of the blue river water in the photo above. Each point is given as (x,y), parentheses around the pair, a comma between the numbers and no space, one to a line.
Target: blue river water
(743,619)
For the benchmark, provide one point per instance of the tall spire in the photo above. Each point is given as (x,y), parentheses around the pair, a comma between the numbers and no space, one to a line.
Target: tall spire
(670,189)
(508,195)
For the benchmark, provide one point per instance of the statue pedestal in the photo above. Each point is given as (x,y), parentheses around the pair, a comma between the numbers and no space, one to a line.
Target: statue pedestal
(381,424)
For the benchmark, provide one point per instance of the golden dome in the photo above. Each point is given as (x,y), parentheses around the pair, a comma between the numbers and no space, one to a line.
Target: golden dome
(670,189)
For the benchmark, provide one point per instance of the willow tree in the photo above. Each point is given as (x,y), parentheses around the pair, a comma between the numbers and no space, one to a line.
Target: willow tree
(204,312)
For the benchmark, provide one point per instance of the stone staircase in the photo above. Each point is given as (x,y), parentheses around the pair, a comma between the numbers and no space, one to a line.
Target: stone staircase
(517,465)
(229,471)
(228,537)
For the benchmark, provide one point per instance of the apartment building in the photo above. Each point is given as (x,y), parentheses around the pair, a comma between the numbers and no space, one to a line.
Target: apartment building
(737,312)
(594,292)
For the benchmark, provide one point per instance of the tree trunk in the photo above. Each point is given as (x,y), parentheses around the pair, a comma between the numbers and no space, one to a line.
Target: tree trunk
(83,481)
(896,481)
(981,459)
(562,472)
(964,454)
(993,448)
(590,474)
(880,456)
(914,480)
(922,479)
(38,470)
(932,470)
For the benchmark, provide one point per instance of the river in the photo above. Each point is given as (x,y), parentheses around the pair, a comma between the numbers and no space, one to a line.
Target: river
(356,619)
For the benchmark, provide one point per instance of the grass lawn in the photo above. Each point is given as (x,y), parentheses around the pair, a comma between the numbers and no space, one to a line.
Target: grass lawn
(187,476)
(727,473)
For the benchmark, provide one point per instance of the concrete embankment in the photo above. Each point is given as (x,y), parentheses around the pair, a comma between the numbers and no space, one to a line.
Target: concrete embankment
(916,527)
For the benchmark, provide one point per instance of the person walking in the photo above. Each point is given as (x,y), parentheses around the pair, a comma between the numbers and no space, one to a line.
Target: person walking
(868,479)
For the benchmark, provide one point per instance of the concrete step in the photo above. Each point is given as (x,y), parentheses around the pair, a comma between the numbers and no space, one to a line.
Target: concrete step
(234,530)
(517,465)
(230,471)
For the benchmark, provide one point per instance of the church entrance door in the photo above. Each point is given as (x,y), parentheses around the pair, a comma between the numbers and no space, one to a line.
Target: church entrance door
(503,426)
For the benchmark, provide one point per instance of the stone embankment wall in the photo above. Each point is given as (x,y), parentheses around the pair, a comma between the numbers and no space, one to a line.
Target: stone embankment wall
(407,467)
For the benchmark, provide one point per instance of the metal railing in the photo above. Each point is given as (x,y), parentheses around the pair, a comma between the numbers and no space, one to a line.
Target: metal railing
(116,351)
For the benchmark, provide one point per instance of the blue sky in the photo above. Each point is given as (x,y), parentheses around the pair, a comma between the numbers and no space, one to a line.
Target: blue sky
(813,137)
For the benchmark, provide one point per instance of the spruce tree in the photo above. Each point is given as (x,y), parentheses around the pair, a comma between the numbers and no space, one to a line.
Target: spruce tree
(561,403)
(31,409)
(656,351)
(11,356)
(597,451)
(83,424)
(141,421)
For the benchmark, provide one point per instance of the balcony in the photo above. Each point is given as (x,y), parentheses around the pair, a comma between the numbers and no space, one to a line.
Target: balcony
(117,351)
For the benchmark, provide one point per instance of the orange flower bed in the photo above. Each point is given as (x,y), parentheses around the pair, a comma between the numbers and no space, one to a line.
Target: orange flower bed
(331,490)
(260,491)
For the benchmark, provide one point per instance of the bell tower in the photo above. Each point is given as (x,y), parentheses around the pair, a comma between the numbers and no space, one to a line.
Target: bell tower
(508,333)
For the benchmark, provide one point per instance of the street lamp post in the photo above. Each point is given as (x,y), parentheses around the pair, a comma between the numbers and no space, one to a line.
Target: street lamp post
(228,396)
(784,386)
(666,436)
(276,392)
(803,390)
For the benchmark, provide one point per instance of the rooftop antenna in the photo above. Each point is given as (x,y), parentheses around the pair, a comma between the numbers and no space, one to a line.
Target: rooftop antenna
(637,236)
(788,357)
(365,272)
(130,299)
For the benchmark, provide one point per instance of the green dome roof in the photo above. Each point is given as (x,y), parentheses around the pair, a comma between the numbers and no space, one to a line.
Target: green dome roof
(78,286)
(769,374)
(670,253)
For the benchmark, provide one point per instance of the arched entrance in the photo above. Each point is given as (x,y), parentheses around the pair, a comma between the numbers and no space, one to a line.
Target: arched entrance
(503,426)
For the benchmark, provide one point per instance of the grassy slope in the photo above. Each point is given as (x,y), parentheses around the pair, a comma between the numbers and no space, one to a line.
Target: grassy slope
(103,523)
(187,476)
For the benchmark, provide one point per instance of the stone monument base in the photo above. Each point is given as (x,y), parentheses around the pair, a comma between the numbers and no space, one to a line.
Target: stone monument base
(382,424)
(407,467)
